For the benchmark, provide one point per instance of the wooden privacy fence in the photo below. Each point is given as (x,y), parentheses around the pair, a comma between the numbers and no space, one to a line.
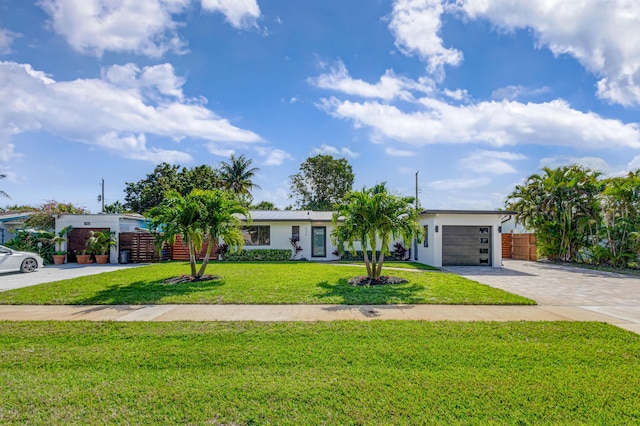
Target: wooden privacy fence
(519,247)
(141,247)
(180,251)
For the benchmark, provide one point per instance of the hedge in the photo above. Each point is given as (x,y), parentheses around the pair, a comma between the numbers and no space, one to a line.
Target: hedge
(269,255)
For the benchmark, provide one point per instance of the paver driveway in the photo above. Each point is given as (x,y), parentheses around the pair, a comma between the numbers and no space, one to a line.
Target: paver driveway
(608,293)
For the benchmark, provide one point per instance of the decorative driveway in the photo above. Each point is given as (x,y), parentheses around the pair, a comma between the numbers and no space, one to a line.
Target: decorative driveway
(549,284)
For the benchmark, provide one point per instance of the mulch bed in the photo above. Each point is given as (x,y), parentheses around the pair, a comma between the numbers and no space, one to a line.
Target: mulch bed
(189,279)
(365,281)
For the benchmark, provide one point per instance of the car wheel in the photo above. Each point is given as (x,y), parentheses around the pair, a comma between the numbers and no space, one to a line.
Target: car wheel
(29,265)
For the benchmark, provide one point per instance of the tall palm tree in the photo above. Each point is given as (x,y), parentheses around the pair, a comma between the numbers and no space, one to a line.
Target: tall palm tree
(371,216)
(236,176)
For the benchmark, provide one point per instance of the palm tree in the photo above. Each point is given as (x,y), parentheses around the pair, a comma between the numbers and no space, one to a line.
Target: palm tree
(559,205)
(236,176)
(197,216)
(2,193)
(371,216)
(220,220)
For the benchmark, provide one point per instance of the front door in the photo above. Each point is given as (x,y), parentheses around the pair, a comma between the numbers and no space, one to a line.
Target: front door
(318,241)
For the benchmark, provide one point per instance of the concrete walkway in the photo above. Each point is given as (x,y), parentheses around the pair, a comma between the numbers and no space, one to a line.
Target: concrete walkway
(563,294)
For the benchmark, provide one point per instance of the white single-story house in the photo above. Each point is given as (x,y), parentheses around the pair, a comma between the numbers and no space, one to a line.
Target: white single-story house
(451,237)
(83,223)
(10,222)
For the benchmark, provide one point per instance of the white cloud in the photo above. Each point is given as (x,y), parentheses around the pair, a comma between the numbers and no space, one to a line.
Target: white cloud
(109,109)
(458,94)
(416,25)
(603,35)
(496,162)
(512,93)
(93,26)
(6,38)
(239,13)
(399,152)
(135,147)
(275,157)
(389,87)
(215,149)
(142,27)
(462,183)
(332,150)
(594,163)
(493,123)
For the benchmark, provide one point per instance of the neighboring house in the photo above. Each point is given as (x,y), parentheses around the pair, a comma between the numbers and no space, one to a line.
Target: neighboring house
(10,222)
(273,229)
(461,237)
(84,223)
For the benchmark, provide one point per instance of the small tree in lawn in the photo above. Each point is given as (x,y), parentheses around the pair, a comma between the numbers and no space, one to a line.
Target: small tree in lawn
(196,216)
(371,216)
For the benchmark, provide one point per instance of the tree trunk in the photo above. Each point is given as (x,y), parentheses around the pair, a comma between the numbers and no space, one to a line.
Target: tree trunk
(206,258)
(192,259)
(366,261)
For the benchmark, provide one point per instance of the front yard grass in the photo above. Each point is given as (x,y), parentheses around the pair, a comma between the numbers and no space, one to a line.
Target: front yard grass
(260,283)
(345,372)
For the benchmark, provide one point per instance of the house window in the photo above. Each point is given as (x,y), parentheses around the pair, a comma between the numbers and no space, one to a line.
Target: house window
(256,235)
(295,233)
(425,242)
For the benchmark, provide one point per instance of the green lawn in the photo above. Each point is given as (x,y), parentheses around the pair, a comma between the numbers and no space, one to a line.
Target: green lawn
(347,373)
(260,283)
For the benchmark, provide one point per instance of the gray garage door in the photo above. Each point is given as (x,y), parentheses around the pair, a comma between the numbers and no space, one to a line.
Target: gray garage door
(466,245)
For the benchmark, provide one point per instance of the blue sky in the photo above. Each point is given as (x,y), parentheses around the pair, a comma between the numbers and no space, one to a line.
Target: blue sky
(476,95)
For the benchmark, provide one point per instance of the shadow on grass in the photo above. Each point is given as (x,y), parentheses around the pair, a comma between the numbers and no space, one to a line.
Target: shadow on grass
(147,292)
(388,294)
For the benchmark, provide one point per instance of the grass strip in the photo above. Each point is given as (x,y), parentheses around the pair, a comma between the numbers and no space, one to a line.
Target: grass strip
(260,283)
(351,373)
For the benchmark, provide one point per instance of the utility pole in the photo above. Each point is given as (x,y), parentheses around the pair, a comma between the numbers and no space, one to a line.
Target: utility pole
(415,240)
(102,196)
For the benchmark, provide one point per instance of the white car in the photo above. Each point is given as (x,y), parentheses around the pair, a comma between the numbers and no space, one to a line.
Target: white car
(13,260)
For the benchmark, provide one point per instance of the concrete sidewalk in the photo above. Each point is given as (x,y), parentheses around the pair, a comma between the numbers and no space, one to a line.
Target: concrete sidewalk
(311,313)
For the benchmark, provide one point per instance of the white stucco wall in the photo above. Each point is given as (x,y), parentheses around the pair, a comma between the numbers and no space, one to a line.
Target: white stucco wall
(432,255)
(280,232)
(116,223)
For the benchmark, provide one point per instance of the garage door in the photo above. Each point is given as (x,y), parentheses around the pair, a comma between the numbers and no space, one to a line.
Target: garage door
(466,245)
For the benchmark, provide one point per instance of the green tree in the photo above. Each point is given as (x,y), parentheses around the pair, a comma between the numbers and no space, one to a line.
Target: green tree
(371,216)
(561,206)
(264,205)
(115,207)
(200,177)
(237,176)
(620,203)
(149,192)
(44,216)
(197,216)
(321,183)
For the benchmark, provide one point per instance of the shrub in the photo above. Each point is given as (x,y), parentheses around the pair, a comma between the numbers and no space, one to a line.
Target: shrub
(359,256)
(267,255)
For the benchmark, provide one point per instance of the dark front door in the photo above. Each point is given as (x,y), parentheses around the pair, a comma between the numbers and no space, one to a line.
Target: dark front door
(318,241)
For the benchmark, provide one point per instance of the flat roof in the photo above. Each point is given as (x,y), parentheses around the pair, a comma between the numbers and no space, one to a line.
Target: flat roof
(498,212)
(290,216)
